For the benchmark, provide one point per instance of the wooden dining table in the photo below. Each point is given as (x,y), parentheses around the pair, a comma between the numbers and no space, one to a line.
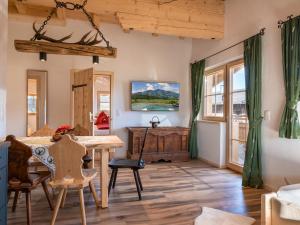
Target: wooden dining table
(102,144)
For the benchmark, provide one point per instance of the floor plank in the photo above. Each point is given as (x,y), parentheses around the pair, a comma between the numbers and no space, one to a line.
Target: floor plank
(173,194)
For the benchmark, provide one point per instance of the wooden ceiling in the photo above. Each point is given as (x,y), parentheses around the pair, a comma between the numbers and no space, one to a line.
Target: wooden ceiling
(183,18)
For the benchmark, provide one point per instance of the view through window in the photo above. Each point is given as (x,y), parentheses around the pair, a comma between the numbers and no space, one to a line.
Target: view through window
(214,91)
(32,109)
(238,120)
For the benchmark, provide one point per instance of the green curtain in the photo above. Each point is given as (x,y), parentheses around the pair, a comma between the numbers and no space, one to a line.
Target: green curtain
(252,175)
(290,35)
(197,73)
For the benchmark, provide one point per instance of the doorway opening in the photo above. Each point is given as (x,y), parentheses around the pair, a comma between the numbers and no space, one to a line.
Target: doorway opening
(102,104)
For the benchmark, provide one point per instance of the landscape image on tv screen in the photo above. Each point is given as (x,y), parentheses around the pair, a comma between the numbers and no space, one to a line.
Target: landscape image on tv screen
(154,96)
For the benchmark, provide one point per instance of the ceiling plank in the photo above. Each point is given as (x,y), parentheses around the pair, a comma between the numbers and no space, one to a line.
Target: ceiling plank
(96,19)
(61,13)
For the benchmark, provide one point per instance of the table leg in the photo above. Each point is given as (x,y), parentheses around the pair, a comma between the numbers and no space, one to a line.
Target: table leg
(104,177)
(91,153)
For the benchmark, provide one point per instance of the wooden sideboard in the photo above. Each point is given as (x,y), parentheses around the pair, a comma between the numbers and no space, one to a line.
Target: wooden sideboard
(162,143)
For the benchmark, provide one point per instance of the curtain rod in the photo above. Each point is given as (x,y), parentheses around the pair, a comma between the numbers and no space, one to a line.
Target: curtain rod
(261,32)
(281,22)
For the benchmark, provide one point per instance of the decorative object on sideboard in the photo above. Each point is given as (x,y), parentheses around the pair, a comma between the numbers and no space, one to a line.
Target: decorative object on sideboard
(86,46)
(154,123)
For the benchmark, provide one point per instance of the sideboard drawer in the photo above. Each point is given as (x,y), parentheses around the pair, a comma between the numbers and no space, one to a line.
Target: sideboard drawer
(3,158)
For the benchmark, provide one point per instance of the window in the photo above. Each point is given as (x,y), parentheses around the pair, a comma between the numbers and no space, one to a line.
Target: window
(225,100)
(32,107)
(103,101)
(214,90)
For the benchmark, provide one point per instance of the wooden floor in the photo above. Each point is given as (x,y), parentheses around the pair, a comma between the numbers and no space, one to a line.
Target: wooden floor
(173,195)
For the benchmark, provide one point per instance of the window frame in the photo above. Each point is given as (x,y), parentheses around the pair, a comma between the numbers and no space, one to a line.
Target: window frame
(216,118)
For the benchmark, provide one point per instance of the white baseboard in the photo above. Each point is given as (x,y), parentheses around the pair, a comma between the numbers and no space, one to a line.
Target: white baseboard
(212,163)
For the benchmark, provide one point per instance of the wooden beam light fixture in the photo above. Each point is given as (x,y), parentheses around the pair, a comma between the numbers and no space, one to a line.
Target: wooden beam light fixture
(85,46)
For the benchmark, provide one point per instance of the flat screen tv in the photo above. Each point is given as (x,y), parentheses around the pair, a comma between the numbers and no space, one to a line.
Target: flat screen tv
(154,96)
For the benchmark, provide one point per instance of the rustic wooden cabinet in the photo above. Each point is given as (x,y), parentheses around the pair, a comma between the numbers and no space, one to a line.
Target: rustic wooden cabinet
(162,143)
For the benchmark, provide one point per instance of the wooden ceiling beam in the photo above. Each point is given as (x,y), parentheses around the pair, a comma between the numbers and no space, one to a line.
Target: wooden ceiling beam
(169,27)
(31,12)
(185,18)
(29,15)
(20,6)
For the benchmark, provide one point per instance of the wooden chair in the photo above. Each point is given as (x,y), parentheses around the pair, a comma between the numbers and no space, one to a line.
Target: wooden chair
(78,130)
(67,155)
(19,177)
(134,165)
(43,132)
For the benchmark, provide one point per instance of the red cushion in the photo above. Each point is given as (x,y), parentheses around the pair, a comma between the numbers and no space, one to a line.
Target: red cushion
(102,121)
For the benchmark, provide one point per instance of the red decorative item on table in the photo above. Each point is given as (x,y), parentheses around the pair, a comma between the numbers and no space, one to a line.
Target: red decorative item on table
(62,130)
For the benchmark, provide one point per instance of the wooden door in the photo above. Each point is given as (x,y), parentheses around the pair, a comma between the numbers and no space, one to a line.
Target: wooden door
(238,124)
(83,99)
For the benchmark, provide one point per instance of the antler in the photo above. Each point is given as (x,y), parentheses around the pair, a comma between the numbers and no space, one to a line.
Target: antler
(42,36)
(91,41)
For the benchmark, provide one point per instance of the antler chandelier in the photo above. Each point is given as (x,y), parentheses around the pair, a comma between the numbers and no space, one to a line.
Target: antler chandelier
(43,44)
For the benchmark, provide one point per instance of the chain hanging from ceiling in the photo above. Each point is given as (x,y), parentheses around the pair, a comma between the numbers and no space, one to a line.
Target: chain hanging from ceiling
(40,34)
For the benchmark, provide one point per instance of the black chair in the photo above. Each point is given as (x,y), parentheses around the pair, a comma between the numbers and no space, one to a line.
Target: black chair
(134,165)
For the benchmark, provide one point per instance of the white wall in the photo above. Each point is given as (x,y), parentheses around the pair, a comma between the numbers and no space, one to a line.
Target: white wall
(140,57)
(212,142)
(3,63)
(280,157)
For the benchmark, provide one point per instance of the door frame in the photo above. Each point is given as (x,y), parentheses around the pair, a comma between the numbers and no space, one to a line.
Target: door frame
(41,82)
(96,72)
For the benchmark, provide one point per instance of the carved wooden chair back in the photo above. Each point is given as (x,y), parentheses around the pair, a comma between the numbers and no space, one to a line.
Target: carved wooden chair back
(67,155)
(80,131)
(18,156)
(43,132)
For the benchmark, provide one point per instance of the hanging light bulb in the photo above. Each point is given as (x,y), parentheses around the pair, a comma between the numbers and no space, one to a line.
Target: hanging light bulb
(95,59)
(43,56)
